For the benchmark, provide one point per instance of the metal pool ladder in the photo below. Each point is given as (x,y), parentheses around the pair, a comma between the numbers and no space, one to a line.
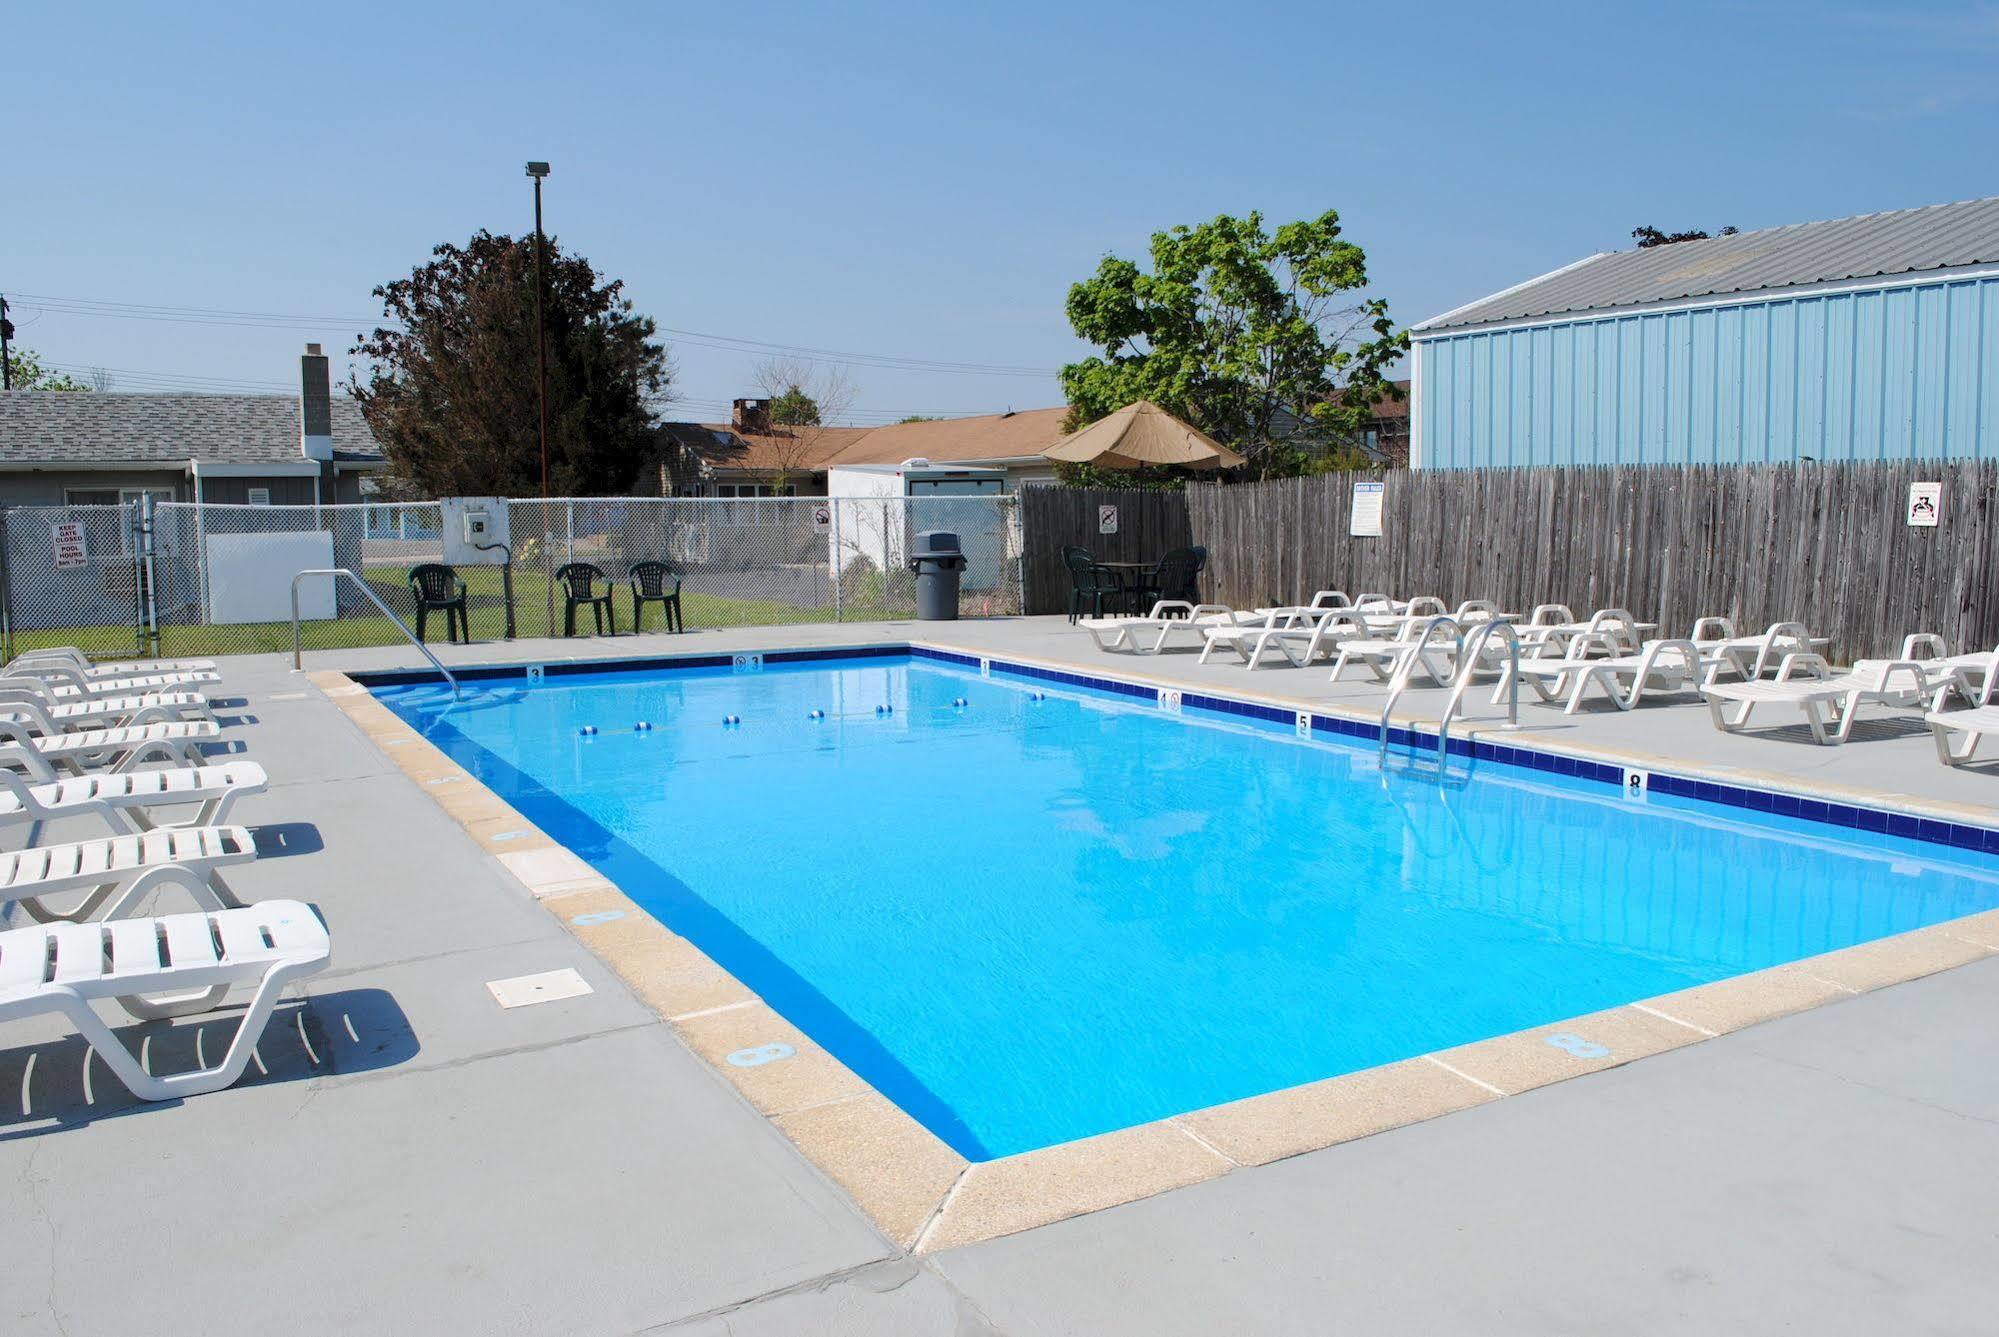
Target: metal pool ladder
(336,572)
(1407,667)
(1468,665)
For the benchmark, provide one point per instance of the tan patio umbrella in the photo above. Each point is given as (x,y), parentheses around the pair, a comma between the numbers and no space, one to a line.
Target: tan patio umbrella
(1141,434)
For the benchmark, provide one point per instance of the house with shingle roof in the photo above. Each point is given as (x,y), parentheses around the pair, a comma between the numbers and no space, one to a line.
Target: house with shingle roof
(750,456)
(84,448)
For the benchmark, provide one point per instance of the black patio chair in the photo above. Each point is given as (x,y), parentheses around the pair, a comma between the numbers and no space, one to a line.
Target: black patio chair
(1089,583)
(1174,576)
(649,586)
(579,587)
(434,585)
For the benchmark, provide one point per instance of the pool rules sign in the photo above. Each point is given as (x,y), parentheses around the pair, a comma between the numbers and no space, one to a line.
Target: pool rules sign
(1365,520)
(69,545)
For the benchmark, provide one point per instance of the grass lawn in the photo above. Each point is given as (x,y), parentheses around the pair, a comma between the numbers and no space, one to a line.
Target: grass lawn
(485,607)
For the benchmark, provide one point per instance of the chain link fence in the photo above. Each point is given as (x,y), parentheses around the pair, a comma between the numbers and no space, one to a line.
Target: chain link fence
(178,579)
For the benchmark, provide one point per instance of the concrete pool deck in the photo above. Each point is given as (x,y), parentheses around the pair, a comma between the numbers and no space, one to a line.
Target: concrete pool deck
(573,1167)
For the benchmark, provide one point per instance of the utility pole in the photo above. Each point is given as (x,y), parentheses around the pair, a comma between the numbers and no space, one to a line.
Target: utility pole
(538,170)
(6,359)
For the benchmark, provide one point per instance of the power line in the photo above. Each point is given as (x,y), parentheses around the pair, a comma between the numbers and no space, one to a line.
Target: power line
(719,410)
(194,315)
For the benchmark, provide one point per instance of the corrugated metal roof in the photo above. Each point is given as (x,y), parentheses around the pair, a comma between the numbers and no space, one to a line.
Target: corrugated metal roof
(1906,241)
(82,427)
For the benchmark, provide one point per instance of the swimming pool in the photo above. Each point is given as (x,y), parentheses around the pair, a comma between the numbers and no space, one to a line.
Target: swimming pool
(1028,912)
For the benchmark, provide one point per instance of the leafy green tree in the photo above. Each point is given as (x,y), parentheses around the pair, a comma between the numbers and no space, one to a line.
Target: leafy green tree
(26,372)
(450,384)
(792,407)
(1257,337)
(1649,237)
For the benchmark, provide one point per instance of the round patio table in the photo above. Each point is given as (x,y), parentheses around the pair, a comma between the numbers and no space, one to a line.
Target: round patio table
(1128,575)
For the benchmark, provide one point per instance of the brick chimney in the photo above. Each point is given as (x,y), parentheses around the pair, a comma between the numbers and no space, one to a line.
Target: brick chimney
(751,416)
(315,405)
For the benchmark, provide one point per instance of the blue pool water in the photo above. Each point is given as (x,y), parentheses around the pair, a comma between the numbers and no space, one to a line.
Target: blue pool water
(1027,921)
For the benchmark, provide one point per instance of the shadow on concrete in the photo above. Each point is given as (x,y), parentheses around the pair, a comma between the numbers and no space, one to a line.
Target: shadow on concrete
(281,840)
(60,1085)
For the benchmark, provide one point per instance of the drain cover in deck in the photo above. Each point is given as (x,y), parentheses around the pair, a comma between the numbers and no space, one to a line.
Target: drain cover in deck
(547,987)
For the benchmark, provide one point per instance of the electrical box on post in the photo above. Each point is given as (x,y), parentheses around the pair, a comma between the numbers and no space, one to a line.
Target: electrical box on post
(475,530)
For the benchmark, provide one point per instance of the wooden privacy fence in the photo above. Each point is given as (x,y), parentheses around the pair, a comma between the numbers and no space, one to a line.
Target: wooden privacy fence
(1052,518)
(1828,545)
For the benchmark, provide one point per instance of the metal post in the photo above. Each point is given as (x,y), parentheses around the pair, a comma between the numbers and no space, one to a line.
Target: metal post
(148,520)
(834,558)
(538,170)
(6,590)
(6,333)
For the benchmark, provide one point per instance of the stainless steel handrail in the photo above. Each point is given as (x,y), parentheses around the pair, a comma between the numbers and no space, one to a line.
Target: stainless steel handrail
(1408,666)
(388,612)
(1468,665)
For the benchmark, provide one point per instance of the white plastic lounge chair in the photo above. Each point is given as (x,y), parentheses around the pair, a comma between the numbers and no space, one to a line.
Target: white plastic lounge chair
(29,701)
(121,800)
(131,668)
(1299,640)
(1978,671)
(81,750)
(1148,635)
(1552,627)
(1808,682)
(1973,724)
(66,684)
(117,873)
(1750,657)
(1661,666)
(192,959)
(1385,657)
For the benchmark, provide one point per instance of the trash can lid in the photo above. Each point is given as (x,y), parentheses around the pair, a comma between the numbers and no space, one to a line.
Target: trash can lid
(936,543)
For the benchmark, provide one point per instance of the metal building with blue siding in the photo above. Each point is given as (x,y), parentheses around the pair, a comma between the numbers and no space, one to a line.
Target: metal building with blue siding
(1870,338)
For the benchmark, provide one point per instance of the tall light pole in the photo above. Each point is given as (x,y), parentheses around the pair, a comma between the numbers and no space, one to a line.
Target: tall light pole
(538,170)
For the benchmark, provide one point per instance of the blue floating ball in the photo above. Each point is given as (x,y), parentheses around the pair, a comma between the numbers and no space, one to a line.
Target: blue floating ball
(1037,696)
(960,703)
(817,715)
(587,730)
(732,719)
(643,726)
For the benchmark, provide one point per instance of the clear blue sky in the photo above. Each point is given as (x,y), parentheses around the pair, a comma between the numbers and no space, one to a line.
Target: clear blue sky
(920,180)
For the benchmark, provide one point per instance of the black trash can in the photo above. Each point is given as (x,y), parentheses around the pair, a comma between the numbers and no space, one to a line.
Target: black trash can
(938,562)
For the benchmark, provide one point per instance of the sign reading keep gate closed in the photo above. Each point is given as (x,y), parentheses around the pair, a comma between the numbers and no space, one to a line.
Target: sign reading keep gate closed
(69,545)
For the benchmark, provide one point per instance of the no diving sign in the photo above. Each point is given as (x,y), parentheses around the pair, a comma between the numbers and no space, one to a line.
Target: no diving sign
(822,517)
(69,545)
(1107,519)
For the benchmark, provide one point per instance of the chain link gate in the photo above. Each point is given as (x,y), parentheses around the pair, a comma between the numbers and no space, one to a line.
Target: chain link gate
(144,582)
(72,575)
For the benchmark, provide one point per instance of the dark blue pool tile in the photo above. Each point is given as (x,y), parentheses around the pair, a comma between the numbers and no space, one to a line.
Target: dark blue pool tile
(1935,832)
(1966,837)
(1762,800)
(1991,839)
(1901,825)
(1784,805)
(944,656)
(1873,819)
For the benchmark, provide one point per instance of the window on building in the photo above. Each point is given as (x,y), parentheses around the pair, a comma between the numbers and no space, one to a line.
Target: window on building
(258,496)
(755,490)
(90,496)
